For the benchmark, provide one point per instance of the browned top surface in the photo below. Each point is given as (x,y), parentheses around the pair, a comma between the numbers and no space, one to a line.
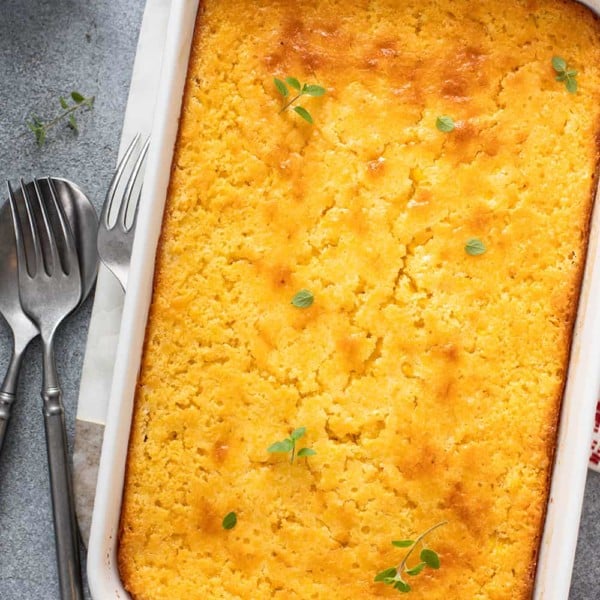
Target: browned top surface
(429,380)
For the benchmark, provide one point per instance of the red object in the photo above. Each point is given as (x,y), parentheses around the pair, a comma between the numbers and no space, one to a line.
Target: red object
(595,454)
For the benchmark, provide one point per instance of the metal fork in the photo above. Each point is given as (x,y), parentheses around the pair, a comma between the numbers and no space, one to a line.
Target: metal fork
(115,239)
(49,289)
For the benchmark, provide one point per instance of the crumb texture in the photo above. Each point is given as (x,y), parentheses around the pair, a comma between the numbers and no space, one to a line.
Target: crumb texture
(428,380)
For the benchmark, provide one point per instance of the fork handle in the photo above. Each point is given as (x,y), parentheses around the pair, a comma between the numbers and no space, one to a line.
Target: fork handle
(6,402)
(63,508)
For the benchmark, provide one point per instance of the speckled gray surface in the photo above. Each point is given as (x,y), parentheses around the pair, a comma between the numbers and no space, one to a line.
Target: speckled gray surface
(47,48)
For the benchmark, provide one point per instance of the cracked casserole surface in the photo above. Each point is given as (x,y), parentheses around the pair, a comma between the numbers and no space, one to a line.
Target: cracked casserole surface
(429,380)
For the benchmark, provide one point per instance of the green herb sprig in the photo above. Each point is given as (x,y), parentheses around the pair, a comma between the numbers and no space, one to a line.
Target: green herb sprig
(563,73)
(289,444)
(394,576)
(229,520)
(305,89)
(40,127)
(303,299)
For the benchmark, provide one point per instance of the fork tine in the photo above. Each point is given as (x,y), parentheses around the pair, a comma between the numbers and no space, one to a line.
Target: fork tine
(133,177)
(35,232)
(65,228)
(112,188)
(49,230)
(21,258)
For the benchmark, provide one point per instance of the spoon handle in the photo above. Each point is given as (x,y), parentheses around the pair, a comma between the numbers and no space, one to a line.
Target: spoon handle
(4,416)
(61,487)
(8,390)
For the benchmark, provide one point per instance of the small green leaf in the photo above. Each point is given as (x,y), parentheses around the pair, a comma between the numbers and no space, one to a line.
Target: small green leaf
(293,82)
(474,247)
(306,452)
(281,87)
(89,102)
(283,446)
(40,134)
(77,97)
(430,558)
(314,90)
(63,102)
(402,586)
(35,123)
(445,124)
(298,433)
(565,74)
(559,64)
(386,574)
(402,543)
(303,299)
(417,569)
(73,123)
(230,520)
(300,110)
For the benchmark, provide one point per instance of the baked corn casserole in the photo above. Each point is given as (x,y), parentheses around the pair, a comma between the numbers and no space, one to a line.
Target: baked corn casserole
(364,298)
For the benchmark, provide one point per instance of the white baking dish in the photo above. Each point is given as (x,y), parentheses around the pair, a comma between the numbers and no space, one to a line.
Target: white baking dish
(568,479)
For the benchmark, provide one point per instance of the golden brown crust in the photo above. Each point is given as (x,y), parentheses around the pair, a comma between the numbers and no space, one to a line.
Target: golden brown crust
(429,381)
(570,326)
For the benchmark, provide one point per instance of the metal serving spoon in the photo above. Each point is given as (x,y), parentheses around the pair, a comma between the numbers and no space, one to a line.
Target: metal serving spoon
(84,224)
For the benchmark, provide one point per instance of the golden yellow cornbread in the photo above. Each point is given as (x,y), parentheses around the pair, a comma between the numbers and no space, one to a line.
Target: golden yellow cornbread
(428,379)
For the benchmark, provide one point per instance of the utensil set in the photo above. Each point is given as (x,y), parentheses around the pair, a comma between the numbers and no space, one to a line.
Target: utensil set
(82,218)
(49,247)
(49,289)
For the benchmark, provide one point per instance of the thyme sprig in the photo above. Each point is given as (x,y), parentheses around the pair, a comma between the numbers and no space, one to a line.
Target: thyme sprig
(394,576)
(289,444)
(40,128)
(564,73)
(306,89)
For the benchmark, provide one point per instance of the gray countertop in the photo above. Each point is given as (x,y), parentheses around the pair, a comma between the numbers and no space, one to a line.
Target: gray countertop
(47,49)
